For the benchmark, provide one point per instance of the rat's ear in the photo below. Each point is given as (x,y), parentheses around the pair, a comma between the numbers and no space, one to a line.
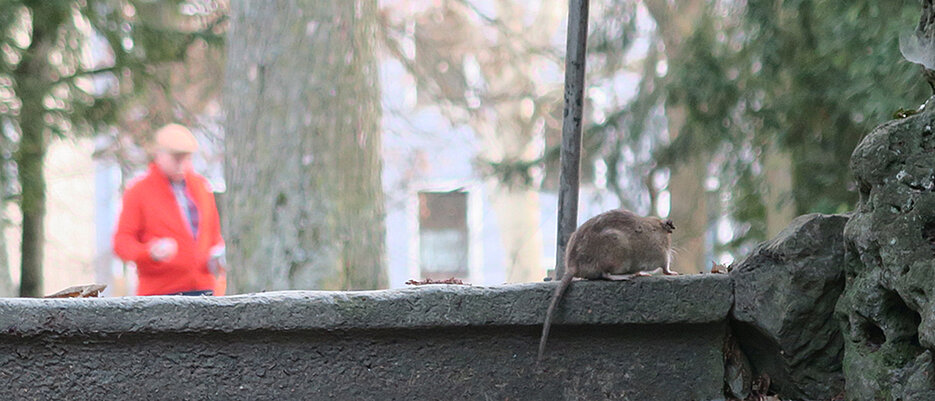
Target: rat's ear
(668,225)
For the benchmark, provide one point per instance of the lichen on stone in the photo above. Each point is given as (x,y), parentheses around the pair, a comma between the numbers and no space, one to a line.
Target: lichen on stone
(885,310)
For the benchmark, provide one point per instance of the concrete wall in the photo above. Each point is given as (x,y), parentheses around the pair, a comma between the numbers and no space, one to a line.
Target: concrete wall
(658,338)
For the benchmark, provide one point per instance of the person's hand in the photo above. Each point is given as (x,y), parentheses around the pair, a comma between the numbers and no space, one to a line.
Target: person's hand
(163,249)
(217,262)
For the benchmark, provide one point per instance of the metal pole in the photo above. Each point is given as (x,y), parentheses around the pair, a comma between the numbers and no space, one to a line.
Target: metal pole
(577,43)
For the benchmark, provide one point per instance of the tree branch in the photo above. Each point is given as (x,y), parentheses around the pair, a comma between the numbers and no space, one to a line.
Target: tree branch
(85,73)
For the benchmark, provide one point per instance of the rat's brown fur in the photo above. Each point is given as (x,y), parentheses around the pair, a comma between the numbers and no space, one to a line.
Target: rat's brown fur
(616,245)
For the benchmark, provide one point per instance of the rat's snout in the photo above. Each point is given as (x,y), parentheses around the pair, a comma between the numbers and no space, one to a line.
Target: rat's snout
(668,225)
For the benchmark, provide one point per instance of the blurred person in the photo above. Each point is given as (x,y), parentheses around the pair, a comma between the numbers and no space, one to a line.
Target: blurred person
(169,225)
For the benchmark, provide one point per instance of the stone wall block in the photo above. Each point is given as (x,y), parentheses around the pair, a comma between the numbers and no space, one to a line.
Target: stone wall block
(886,310)
(785,292)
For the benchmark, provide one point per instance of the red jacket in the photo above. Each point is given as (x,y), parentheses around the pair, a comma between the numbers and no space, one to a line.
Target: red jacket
(150,212)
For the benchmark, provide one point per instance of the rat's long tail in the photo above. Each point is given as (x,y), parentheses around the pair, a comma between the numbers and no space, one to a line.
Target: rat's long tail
(559,291)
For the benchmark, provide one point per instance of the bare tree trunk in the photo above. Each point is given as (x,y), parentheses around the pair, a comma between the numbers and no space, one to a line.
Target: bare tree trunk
(689,211)
(6,283)
(304,207)
(510,136)
(30,85)
(675,21)
(517,211)
(7,289)
(29,161)
(516,206)
(780,205)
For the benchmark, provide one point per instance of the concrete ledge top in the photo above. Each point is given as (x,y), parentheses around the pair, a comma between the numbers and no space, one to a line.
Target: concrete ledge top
(650,300)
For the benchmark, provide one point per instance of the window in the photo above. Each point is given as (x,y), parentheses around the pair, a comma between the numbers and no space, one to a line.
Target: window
(443,234)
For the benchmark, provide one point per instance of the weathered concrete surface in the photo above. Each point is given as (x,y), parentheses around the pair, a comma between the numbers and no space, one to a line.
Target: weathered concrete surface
(887,307)
(647,339)
(661,300)
(785,293)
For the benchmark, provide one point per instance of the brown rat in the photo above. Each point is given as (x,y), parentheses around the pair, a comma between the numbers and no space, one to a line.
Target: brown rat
(614,245)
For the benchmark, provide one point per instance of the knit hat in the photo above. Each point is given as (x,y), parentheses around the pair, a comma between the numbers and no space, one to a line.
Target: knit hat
(175,138)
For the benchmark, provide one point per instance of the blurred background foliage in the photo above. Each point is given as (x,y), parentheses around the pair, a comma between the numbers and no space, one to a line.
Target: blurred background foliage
(754,104)
(804,79)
